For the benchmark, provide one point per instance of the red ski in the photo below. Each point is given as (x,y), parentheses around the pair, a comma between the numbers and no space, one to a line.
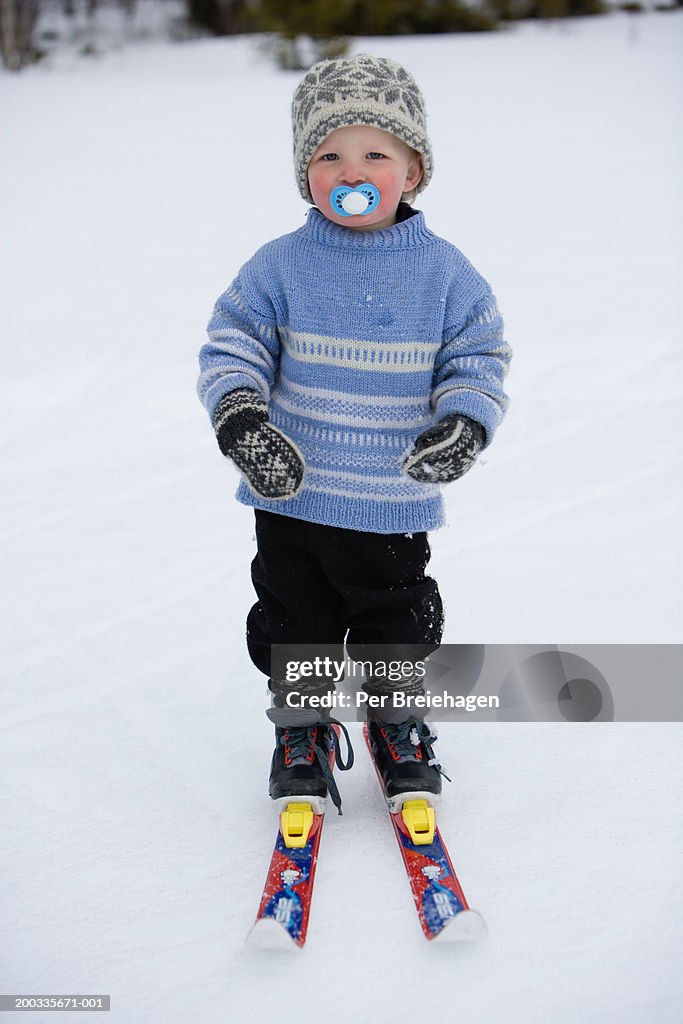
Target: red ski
(439,899)
(282,919)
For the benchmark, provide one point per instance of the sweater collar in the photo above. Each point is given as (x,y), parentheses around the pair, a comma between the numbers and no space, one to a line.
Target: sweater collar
(405,235)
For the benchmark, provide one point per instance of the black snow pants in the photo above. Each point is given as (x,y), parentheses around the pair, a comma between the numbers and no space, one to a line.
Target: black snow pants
(326,585)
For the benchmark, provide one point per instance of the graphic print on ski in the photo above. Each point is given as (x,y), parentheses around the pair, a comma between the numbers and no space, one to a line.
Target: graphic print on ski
(439,900)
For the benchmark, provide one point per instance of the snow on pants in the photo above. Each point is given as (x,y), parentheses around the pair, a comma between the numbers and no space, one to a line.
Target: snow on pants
(325,585)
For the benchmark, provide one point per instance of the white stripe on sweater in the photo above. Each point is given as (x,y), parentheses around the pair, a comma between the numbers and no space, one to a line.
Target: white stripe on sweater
(396,357)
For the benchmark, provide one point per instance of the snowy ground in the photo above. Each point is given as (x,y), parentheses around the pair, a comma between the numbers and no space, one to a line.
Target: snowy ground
(133,751)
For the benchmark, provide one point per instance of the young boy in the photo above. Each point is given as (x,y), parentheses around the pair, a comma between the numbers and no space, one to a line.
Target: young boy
(353,367)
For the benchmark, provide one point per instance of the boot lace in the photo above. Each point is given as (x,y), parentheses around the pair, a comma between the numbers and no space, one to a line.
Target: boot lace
(412,741)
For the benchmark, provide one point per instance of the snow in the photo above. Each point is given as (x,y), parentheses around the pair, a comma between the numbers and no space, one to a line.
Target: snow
(133,747)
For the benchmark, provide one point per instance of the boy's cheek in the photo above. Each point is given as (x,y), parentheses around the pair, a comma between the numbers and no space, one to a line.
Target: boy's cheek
(319,186)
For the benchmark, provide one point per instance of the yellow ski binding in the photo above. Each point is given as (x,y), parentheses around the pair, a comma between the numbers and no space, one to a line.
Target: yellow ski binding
(295,824)
(420,821)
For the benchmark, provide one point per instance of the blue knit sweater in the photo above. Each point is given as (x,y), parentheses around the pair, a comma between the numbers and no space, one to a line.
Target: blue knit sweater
(359,341)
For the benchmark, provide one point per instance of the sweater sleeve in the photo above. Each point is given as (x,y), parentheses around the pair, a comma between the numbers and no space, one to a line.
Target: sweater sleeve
(471,366)
(243,346)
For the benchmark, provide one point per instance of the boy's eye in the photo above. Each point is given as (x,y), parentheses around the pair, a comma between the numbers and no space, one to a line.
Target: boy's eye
(329,157)
(376,156)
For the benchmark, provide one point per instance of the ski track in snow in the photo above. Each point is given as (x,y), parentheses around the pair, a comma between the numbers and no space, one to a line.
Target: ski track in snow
(133,747)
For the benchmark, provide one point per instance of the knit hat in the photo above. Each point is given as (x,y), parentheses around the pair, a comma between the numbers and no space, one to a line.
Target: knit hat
(361,90)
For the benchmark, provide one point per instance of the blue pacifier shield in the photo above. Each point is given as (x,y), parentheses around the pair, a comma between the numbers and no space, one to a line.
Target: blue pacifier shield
(354,202)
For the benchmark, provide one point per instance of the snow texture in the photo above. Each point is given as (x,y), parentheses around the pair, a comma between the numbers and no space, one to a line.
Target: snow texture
(136,829)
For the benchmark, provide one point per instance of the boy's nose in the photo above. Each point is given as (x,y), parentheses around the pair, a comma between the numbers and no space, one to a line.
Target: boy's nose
(352,176)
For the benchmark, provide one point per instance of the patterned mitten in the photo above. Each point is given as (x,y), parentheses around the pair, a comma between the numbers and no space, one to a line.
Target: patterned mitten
(446,451)
(270,463)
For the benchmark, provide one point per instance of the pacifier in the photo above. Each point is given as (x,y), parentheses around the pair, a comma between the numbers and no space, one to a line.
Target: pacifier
(355,202)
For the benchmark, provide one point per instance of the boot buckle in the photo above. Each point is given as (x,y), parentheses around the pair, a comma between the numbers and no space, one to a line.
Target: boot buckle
(420,820)
(296,822)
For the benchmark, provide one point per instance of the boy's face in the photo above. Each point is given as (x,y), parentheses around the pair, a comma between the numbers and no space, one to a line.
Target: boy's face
(358,154)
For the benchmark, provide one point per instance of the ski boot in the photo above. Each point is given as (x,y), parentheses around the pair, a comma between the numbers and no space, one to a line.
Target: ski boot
(301,769)
(405,760)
